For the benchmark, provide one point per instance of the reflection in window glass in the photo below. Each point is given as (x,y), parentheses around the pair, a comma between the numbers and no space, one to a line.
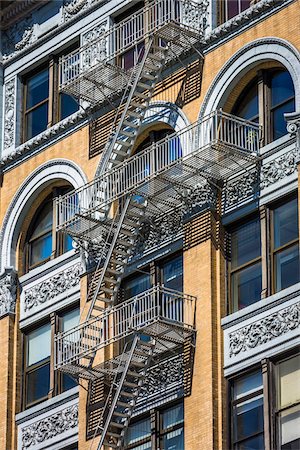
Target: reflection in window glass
(285,245)
(69,320)
(36,111)
(136,285)
(173,274)
(138,431)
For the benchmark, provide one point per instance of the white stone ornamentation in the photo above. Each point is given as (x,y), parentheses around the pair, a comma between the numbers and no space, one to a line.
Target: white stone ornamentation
(97,51)
(9,113)
(264,330)
(50,288)
(50,427)
(8,291)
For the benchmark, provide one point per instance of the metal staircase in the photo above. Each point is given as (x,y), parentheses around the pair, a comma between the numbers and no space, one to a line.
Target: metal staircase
(124,392)
(119,244)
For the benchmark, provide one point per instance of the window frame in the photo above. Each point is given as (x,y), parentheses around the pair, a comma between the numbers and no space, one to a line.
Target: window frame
(54,94)
(55,377)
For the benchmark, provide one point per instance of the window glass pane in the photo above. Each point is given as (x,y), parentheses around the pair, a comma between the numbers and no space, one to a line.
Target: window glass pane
(37,88)
(70,319)
(136,285)
(38,344)
(287,267)
(290,427)
(232,8)
(256,443)
(37,121)
(138,431)
(249,418)
(68,106)
(286,223)
(68,244)
(282,87)
(289,382)
(38,383)
(40,249)
(174,440)
(247,384)
(246,286)
(279,122)
(44,221)
(68,382)
(247,104)
(172,416)
(173,274)
(245,243)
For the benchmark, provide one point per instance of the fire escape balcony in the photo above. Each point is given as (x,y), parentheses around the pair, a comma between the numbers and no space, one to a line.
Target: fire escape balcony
(96,71)
(162,314)
(217,148)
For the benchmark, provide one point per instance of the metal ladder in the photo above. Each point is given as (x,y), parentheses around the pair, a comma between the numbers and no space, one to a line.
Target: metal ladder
(124,392)
(140,93)
(120,242)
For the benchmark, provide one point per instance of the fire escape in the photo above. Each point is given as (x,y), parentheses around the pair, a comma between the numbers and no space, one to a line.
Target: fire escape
(108,212)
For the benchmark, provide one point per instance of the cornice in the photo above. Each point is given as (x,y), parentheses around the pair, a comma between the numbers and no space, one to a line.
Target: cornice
(17,10)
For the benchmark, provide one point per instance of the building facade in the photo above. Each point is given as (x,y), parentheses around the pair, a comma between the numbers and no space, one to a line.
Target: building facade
(149,243)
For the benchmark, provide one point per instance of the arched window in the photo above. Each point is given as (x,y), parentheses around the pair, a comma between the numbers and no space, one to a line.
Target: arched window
(265,100)
(42,243)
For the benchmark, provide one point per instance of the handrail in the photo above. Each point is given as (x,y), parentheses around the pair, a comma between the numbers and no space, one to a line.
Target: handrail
(217,128)
(135,314)
(131,32)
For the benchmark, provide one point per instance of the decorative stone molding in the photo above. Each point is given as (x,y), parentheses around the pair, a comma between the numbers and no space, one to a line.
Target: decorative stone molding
(278,168)
(18,37)
(54,425)
(48,289)
(97,51)
(238,190)
(72,7)
(293,127)
(9,113)
(264,330)
(196,18)
(8,291)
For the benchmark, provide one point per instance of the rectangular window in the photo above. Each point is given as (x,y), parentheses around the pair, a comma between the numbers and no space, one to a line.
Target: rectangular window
(44,105)
(69,320)
(172,431)
(231,8)
(172,273)
(138,435)
(285,245)
(37,103)
(246,268)
(288,403)
(247,412)
(37,364)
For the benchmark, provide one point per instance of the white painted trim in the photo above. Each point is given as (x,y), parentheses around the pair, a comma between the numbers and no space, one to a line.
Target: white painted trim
(56,169)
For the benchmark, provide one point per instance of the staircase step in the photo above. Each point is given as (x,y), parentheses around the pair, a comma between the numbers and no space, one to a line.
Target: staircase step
(141,106)
(111,280)
(115,435)
(109,291)
(131,223)
(129,134)
(137,364)
(130,124)
(118,251)
(99,308)
(126,232)
(143,96)
(146,344)
(113,271)
(124,143)
(123,404)
(140,352)
(120,414)
(135,114)
(131,385)
(132,373)
(120,153)
(152,67)
(117,425)
(117,261)
(124,243)
(148,76)
(144,85)
(109,444)
(127,394)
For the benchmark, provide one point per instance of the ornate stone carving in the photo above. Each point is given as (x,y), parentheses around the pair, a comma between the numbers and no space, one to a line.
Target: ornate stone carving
(196,18)
(8,291)
(264,330)
(72,7)
(52,287)
(51,426)
(97,51)
(18,37)
(240,189)
(9,113)
(198,198)
(160,377)
(278,169)
(293,127)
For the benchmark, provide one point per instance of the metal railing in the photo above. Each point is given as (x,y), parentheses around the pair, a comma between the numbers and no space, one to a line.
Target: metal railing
(136,314)
(218,130)
(131,32)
